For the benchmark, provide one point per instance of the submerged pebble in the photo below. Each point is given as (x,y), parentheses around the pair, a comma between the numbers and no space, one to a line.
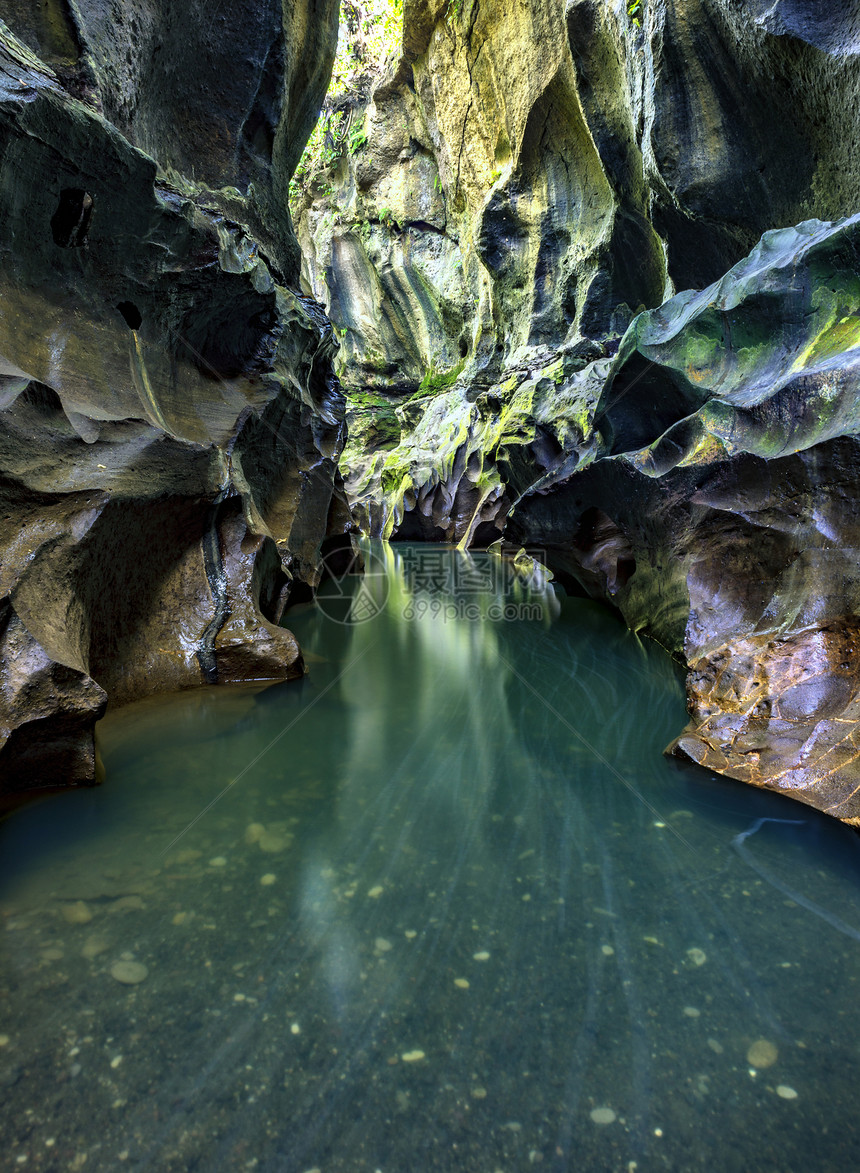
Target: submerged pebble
(412,1056)
(272,844)
(186,855)
(127,904)
(129,973)
(482,956)
(785,1092)
(603,1116)
(697,956)
(268,879)
(762,1053)
(77,913)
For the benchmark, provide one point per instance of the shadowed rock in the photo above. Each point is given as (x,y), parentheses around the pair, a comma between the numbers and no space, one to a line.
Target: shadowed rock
(532,176)
(169,421)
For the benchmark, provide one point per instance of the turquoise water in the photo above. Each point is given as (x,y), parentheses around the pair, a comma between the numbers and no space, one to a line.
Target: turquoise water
(442,905)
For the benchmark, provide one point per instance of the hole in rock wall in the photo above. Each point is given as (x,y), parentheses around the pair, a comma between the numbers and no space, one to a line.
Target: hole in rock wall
(131,314)
(70,224)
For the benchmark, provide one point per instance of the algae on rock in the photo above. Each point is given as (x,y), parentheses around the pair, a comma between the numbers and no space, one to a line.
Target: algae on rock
(529,177)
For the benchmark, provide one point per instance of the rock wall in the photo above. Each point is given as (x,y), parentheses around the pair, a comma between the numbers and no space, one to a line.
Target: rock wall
(558,151)
(715,502)
(170,423)
(476,222)
(529,176)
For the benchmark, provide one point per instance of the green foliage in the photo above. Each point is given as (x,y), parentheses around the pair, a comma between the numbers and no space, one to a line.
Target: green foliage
(357,138)
(386,217)
(456,8)
(371,33)
(634,10)
(324,145)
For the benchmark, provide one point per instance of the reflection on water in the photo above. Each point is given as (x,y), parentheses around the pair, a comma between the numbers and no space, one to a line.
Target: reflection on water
(440,906)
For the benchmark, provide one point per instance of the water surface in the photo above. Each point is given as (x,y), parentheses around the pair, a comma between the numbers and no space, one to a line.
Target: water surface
(442,905)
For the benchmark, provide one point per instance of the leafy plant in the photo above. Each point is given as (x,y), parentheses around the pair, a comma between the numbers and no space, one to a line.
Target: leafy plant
(324,145)
(634,9)
(357,138)
(455,10)
(371,33)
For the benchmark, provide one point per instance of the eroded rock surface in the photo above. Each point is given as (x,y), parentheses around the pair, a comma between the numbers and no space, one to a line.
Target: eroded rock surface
(697,470)
(448,467)
(170,423)
(527,177)
(716,506)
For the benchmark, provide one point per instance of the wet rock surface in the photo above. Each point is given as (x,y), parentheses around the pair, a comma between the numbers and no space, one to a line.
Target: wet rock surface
(782,714)
(527,178)
(447,467)
(169,420)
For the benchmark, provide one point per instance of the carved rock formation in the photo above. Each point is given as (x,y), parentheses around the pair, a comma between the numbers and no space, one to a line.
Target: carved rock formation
(527,172)
(723,459)
(169,421)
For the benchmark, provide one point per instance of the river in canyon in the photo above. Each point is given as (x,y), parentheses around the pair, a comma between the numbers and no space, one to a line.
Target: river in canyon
(440,906)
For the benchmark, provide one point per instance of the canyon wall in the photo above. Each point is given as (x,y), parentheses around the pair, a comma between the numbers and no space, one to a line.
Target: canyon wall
(596,280)
(170,423)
